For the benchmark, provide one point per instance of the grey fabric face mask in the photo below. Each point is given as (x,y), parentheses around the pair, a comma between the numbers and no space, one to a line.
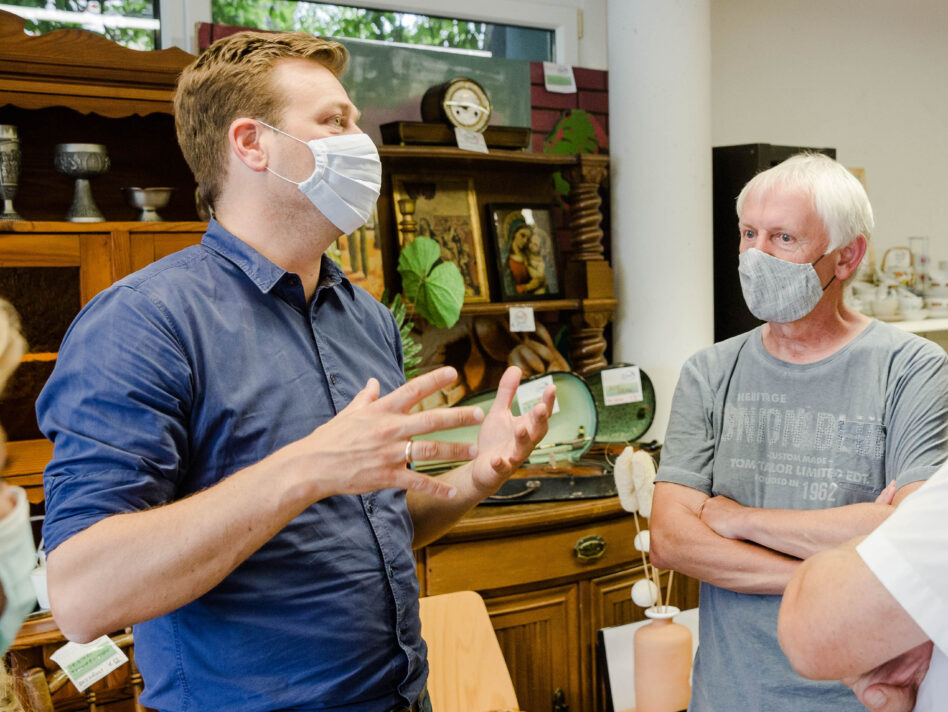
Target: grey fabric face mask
(777,290)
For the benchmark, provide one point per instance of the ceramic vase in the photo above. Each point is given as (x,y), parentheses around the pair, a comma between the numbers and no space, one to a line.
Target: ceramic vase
(663,656)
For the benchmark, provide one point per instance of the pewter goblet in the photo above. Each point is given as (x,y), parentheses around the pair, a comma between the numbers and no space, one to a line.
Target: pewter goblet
(82,161)
(9,170)
(148,200)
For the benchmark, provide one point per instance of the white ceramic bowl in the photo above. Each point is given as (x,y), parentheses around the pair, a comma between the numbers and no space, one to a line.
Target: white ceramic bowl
(914,314)
(885,307)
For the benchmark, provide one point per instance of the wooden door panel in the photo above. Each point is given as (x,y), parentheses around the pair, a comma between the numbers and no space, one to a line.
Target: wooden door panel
(537,631)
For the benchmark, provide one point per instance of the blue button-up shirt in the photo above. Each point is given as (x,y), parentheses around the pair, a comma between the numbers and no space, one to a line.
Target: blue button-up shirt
(177,376)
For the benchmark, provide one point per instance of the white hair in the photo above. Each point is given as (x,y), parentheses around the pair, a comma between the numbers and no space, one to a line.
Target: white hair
(838,196)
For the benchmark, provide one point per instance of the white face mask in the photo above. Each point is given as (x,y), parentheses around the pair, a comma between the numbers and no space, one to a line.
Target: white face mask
(777,290)
(346,179)
(17,560)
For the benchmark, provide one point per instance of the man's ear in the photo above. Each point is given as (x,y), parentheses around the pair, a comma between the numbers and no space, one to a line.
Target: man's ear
(244,137)
(850,256)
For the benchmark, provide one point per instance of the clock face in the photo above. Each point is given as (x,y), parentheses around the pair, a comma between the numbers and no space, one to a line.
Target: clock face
(466,105)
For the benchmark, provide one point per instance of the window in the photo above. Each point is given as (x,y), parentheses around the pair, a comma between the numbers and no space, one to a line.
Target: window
(133,23)
(330,20)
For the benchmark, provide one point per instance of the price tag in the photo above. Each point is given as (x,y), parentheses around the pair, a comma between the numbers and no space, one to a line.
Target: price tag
(521,319)
(558,78)
(87,663)
(621,385)
(529,394)
(470,140)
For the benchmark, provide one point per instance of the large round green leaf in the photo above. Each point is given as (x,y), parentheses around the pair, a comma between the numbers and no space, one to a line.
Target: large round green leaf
(436,288)
(441,295)
(415,262)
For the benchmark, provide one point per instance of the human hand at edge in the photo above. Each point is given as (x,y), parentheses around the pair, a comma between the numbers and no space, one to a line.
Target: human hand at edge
(505,440)
(887,495)
(893,686)
(721,514)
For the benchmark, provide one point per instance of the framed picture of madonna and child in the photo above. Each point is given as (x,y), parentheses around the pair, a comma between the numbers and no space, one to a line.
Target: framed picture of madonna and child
(526,252)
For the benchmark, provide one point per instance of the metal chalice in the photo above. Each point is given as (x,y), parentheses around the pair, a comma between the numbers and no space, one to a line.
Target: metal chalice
(9,170)
(82,161)
(147,201)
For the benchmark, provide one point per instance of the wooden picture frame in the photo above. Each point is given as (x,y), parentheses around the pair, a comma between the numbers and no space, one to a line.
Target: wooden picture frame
(359,254)
(525,246)
(445,209)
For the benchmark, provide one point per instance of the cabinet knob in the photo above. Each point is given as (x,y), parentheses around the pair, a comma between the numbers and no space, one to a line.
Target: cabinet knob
(590,548)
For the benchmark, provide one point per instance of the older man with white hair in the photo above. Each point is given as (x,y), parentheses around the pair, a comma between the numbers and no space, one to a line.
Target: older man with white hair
(791,438)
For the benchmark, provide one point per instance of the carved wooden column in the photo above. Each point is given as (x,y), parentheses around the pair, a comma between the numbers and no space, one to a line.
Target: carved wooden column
(407,228)
(587,343)
(585,214)
(588,274)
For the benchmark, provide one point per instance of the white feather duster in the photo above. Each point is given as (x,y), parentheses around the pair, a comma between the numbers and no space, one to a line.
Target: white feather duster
(643,481)
(625,486)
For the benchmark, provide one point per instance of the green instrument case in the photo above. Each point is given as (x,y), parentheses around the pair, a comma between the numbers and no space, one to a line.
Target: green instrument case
(573,459)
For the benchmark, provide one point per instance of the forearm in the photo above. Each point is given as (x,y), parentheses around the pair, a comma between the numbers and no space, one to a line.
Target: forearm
(431,517)
(681,541)
(803,533)
(129,568)
(837,620)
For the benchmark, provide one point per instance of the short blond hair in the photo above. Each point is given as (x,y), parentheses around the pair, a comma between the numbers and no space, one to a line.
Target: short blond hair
(231,79)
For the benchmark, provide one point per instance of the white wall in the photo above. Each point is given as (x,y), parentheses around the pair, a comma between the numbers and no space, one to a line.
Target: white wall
(868,77)
(660,171)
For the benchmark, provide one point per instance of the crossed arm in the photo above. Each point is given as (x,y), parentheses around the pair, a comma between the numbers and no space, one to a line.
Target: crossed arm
(748,549)
(157,560)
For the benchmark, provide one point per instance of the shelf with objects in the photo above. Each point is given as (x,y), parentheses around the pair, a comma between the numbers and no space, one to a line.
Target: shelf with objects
(902,289)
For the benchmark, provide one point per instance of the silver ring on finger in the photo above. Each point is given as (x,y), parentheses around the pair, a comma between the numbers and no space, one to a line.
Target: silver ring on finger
(408,459)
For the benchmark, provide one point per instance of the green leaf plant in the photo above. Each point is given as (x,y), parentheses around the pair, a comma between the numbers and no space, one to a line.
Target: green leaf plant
(433,288)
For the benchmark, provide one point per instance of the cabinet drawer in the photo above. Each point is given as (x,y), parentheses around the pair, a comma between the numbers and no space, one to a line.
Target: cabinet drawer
(513,561)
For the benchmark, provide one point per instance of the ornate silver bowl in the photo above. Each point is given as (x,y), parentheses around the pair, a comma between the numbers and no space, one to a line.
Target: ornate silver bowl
(82,161)
(147,200)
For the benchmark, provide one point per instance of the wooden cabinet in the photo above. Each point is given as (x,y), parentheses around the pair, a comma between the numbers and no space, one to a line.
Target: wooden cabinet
(49,270)
(546,603)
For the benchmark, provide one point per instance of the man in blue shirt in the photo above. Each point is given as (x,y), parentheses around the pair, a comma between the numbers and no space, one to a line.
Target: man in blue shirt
(232,433)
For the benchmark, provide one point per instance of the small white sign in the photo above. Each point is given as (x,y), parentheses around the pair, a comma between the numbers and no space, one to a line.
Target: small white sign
(558,78)
(470,140)
(529,394)
(621,385)
(521,319)
(86,663)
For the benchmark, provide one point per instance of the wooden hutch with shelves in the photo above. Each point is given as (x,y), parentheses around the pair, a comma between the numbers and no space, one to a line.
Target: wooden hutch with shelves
(73,86)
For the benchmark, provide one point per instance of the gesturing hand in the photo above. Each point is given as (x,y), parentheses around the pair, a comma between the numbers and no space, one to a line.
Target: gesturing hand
(506,440)
(363,448)
(893,686)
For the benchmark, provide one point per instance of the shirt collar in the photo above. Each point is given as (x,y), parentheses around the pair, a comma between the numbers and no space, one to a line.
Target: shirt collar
(261,271)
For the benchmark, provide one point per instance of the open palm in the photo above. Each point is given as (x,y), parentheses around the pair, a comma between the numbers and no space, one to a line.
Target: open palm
(505,440)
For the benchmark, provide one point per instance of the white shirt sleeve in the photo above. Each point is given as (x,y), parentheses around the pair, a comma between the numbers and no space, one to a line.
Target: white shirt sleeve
(908,553)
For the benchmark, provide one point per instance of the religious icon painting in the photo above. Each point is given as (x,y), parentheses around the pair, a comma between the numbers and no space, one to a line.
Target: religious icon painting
(445,209)
(526,252)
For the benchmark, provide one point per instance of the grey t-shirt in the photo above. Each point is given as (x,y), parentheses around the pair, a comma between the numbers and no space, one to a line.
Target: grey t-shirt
(768,433)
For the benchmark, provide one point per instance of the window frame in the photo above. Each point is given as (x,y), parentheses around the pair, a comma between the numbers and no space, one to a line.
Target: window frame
(178,18)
